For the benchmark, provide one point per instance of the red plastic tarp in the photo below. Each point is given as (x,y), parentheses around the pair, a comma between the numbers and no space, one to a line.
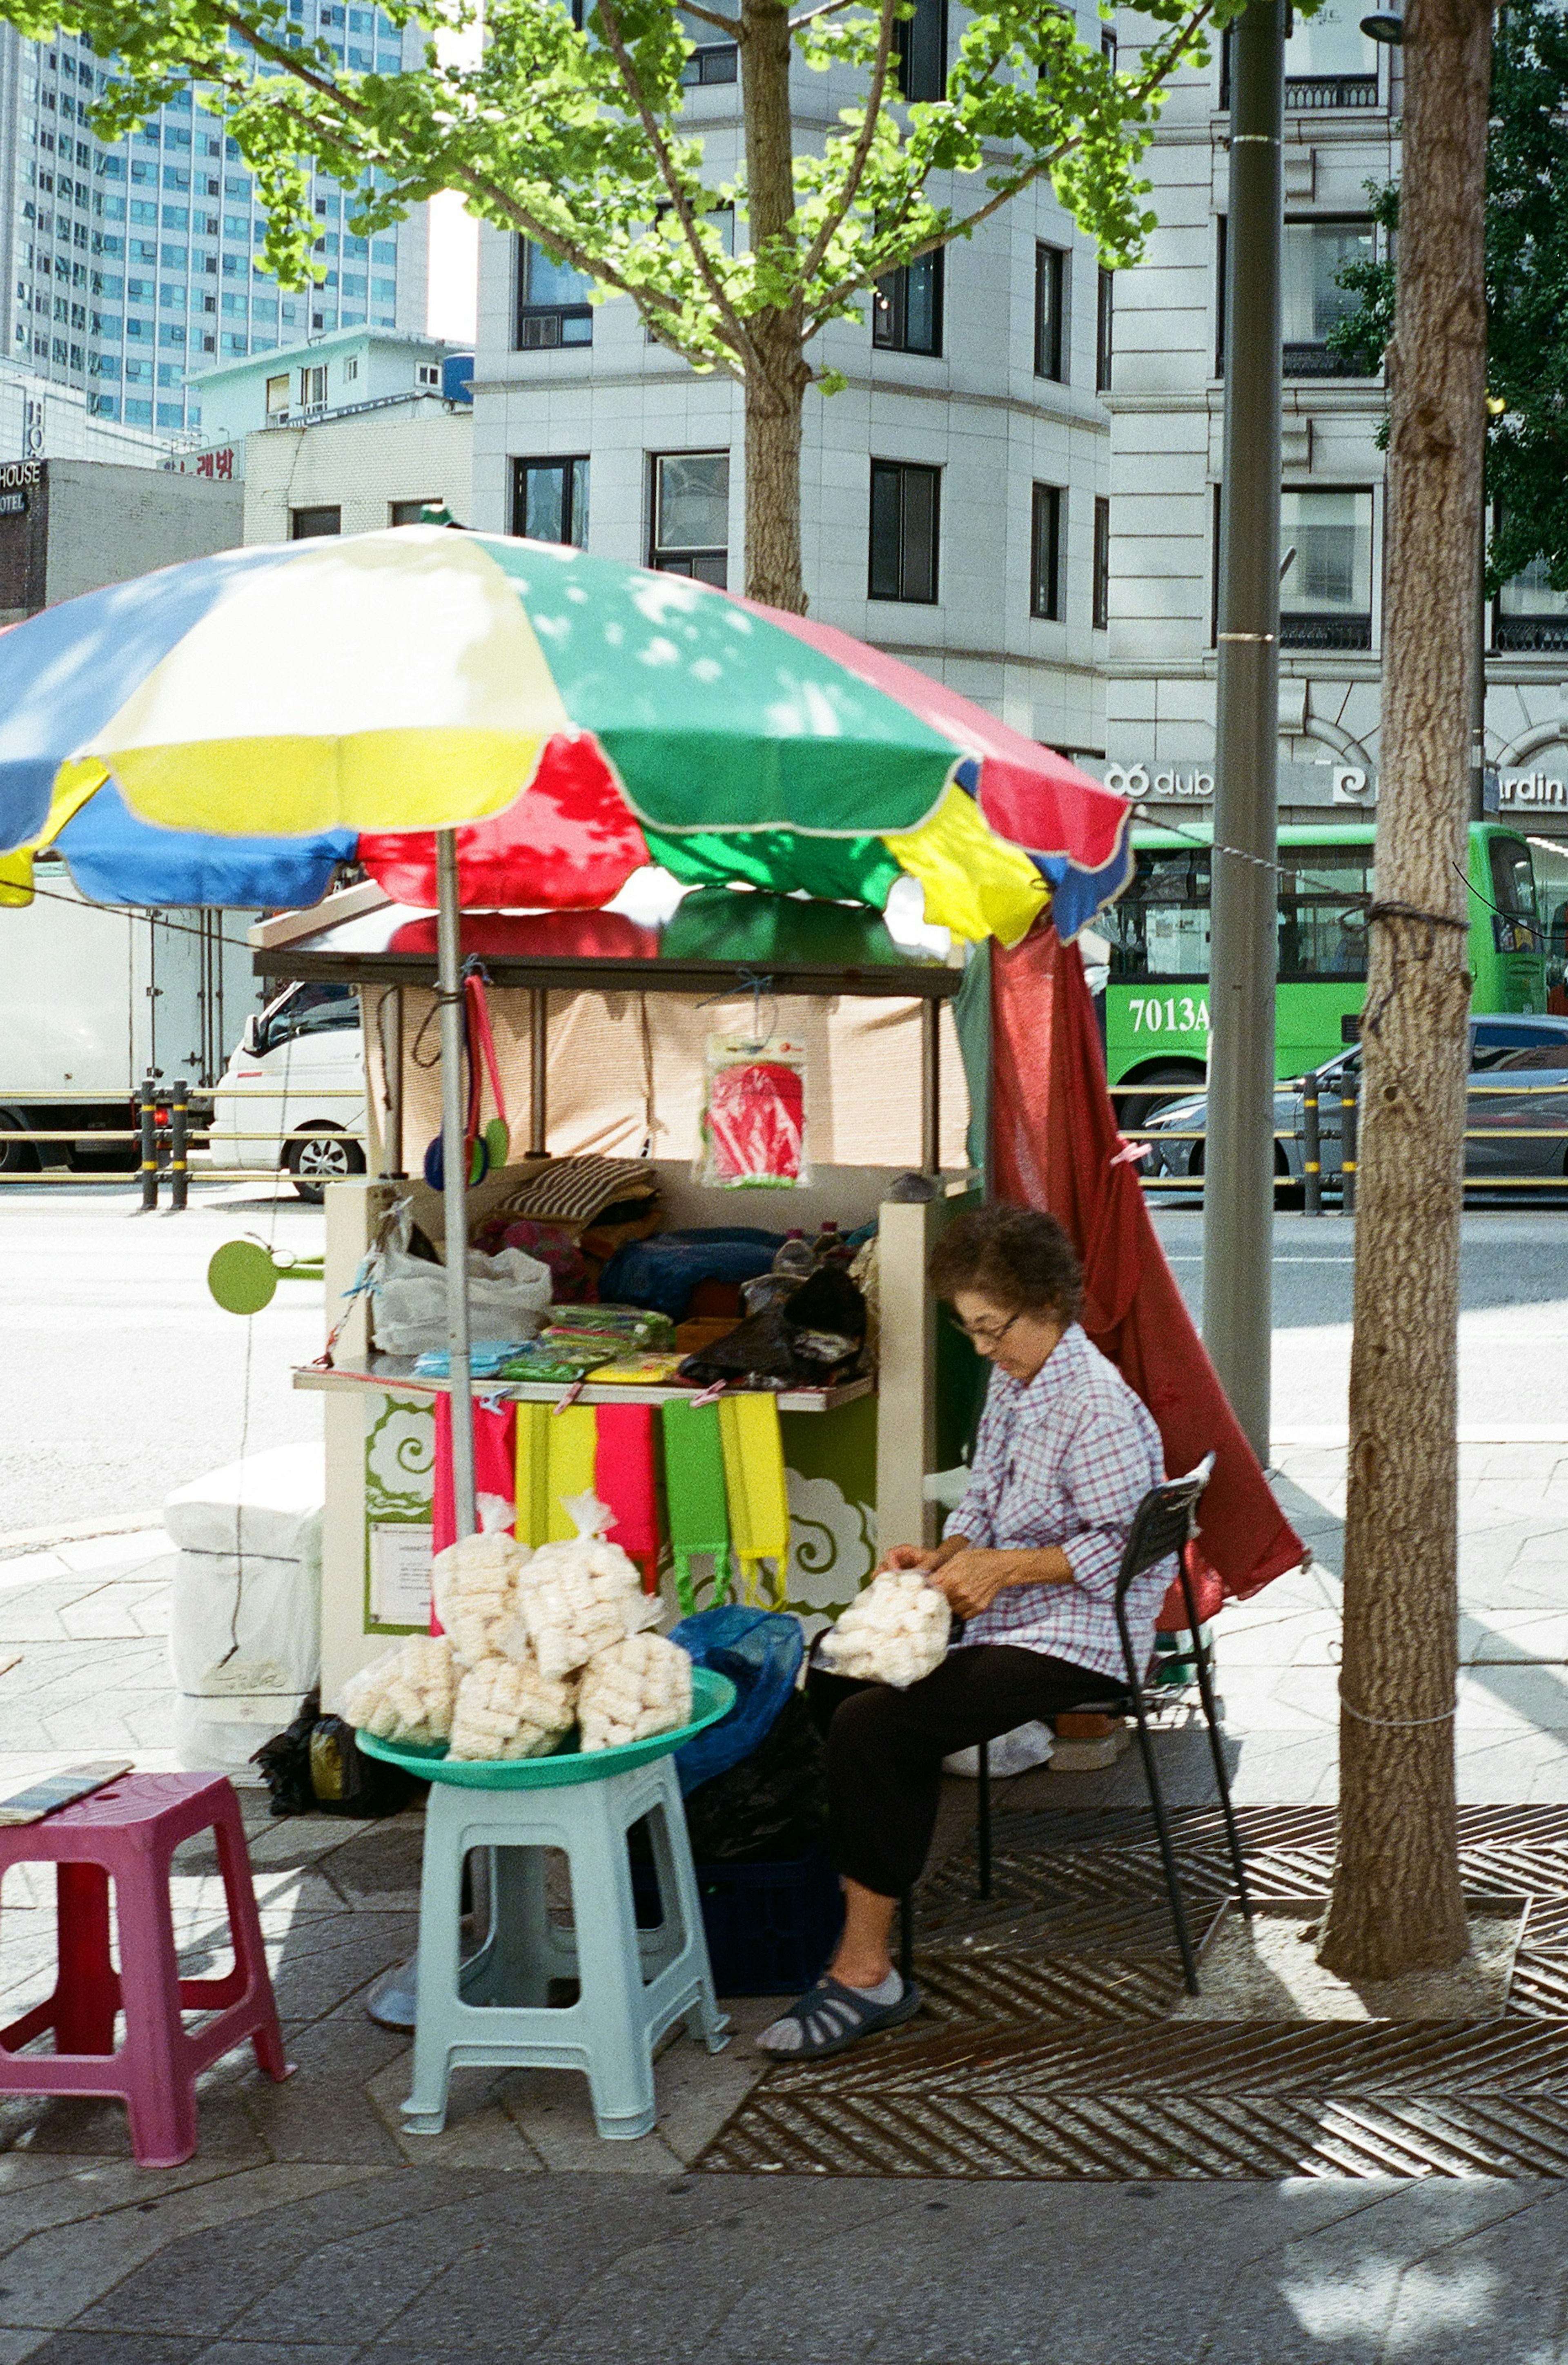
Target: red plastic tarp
(1053,1145)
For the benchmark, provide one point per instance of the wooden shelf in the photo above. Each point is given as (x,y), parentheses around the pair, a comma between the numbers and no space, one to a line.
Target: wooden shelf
(393,1373)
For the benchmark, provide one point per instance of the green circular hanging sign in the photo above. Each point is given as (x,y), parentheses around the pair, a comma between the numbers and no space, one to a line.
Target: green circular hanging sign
(243,1276)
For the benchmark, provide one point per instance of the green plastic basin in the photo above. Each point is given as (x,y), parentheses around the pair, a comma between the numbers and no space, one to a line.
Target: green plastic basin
(711,1696)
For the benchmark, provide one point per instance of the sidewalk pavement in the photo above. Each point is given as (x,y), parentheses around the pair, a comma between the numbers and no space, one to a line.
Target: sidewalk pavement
(311,2226)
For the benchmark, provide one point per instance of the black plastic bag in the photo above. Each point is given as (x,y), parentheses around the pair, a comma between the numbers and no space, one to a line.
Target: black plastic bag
(315,1766)
(772,1807)
(815,1336)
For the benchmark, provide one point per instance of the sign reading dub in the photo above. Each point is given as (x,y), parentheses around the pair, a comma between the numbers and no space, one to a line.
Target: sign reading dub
(1135,782)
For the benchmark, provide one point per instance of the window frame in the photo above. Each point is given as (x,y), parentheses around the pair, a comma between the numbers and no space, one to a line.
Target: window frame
(905,472)
(1047,513)
(299,531)
(1104,330)
(1331,364)
(544,315)
(681,558)
(564,464)
(913,56)
(1052,360)
(894,304)
(1330,631)
(1100,585)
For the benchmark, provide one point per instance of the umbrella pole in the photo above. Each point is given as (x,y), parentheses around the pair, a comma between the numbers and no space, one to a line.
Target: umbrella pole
(455,1174)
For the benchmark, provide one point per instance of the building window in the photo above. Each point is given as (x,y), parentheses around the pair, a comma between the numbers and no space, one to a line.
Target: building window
(1315,254)
(551,302)
(1329,62)
(305,526)
(1104,326)
(1100,613)
(411,513)
(351,368)
(691,509)
(313,388)
(1051,313)
(1325,543)
(278,394)
(1044,554)
(905,524)
(906,307)
(920,49)
(550,501)
(711,61)
(427,373)
(1529,614)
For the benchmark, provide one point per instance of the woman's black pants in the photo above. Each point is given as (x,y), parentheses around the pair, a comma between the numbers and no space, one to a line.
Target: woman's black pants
(885,1748)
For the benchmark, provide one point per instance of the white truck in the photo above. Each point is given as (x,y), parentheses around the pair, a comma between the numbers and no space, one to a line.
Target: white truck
(93,998)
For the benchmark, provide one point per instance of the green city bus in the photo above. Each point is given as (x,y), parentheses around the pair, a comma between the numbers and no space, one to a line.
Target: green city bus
(1156,992)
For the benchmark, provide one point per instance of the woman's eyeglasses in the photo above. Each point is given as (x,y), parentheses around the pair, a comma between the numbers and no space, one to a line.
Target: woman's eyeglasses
(989,1339)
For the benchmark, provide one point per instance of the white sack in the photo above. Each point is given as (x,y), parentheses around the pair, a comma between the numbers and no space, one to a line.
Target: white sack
(246,1633)
(270,1502)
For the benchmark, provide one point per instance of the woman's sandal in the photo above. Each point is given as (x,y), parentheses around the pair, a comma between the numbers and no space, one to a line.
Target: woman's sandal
(832,2016)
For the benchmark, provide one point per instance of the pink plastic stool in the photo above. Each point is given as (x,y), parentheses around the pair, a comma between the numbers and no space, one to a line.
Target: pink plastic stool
(129,1831)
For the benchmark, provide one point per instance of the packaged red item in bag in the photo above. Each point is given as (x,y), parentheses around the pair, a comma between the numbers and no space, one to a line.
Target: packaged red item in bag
(754,1114)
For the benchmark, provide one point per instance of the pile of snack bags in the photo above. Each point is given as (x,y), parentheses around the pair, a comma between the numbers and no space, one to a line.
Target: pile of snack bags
(533,1645)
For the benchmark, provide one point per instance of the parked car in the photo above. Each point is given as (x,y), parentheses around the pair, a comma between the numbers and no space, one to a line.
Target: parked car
(293,1094)
(1520,1132)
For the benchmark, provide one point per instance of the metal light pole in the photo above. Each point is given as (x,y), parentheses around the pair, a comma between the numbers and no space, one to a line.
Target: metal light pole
(1239,1194)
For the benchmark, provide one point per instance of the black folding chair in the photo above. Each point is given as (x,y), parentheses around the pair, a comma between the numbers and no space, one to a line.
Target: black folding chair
(1165,1523)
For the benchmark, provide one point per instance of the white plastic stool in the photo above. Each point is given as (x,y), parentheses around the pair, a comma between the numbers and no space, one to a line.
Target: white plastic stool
(493,2012)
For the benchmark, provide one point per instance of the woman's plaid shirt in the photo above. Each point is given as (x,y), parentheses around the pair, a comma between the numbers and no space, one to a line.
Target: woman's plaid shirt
(1065,1460)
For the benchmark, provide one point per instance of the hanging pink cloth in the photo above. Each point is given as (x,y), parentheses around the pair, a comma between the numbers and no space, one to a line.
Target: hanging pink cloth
(495,1470)
(623,1477)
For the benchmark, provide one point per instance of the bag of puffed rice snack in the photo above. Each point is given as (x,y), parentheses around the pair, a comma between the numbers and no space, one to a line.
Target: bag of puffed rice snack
(506,1708)
(407,1694)
(633,1690)
(895,1632)
(475,1582)
(575,1599)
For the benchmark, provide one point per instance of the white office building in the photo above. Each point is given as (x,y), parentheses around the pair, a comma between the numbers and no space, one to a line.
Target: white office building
(954,493)
(1165,402)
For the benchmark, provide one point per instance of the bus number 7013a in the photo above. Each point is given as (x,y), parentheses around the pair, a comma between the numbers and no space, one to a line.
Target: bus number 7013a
(1178,1014)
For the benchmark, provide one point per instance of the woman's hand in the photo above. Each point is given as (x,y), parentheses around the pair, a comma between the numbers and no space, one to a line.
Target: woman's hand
(926,1556)
(972,1579)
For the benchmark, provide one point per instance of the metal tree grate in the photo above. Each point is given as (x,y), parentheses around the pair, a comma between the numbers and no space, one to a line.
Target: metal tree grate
(1046,2049)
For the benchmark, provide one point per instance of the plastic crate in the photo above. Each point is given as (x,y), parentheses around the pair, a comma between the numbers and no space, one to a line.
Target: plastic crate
(771,1927)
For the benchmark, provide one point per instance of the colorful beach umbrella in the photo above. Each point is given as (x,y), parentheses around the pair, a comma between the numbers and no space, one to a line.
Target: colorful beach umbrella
(580,717)
(423,681)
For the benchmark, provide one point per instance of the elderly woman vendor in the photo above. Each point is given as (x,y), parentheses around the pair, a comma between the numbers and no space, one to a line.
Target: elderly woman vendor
(1064,1455)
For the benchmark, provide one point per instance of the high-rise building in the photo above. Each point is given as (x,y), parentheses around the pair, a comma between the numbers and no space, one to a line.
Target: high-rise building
(130,265)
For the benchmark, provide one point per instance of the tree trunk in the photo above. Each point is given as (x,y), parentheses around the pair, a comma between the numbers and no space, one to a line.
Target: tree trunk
(773,494)
(777,376)
(1396,1902)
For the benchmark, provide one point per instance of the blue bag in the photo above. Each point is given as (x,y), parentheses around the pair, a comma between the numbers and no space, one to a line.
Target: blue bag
(760,1651)
(662,1272)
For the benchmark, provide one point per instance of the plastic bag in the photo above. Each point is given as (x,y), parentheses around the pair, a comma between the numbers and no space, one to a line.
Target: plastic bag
(772,1807)
(506,1295)
(760,1651)
(634,1690)
(576,1600)
(506,1709)
(474,1584)
(314,1767)
(407,1694)
(815,1336)
(895,1632)
(754,1114)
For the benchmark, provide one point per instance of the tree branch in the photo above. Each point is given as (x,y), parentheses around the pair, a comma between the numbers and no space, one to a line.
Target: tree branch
(739,334)
(836,215)
(729,25)
(463,177)
(825,9)
(1015,182)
